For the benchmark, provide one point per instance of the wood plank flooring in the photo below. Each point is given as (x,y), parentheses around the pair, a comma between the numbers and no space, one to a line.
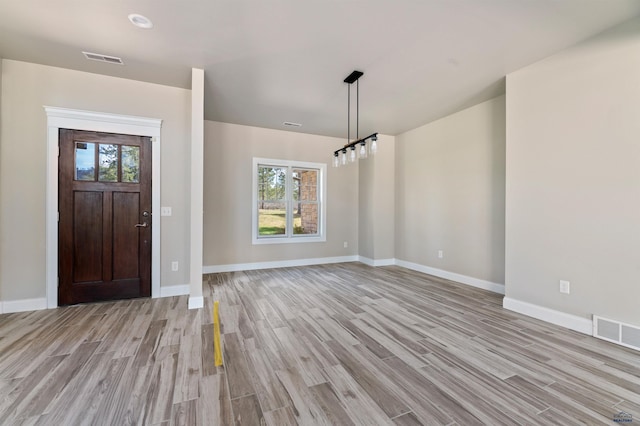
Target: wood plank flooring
(341,344)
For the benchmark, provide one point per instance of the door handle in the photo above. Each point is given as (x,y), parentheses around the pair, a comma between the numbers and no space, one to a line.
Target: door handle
(142,225)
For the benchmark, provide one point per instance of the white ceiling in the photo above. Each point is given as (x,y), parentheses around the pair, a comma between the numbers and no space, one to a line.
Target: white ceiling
(267,62)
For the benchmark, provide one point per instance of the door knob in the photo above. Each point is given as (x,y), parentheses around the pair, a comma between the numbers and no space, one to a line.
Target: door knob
(142,225)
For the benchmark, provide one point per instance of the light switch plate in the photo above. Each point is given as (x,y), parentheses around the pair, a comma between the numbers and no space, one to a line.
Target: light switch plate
(165,211)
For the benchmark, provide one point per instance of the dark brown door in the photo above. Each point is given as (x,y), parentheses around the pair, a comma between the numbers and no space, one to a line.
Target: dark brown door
(104,229)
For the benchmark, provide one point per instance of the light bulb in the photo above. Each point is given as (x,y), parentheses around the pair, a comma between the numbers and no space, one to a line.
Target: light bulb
(336,160)
(352,154)
(374,145)
(343,159)
(363,150)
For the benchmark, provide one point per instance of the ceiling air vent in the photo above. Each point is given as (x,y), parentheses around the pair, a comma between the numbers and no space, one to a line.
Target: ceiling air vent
(103,58)
(290,124)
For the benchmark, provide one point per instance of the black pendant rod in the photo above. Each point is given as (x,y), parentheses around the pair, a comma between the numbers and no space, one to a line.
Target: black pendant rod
(348,113)
(353,78)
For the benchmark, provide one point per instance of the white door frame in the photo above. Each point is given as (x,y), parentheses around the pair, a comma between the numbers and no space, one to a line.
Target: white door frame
(63,118)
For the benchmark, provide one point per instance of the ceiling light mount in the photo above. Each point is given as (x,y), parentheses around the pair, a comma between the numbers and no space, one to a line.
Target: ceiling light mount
(353,77)
(348,152)
(140,21)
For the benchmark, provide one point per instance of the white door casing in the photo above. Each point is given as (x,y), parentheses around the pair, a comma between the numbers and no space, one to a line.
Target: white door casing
(64,118)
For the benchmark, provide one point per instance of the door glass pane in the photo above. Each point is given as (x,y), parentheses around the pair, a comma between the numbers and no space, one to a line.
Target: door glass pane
(130,164)
(108,163)
(272,218)
(85,161)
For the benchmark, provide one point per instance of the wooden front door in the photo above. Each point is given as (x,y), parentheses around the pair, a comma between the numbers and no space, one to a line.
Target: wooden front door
(104,228)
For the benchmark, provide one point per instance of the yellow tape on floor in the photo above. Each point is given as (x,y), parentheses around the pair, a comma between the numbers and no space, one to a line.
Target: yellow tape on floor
(216,335)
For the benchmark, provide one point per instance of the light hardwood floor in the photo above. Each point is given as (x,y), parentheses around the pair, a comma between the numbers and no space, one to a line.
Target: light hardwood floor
(335,344)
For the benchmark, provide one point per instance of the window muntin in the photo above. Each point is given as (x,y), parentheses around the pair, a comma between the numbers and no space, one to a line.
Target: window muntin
(288,201)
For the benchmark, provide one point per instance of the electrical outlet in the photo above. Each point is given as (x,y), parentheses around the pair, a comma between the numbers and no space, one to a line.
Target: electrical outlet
(165,211)
(346,244)
(440,254)
(174,266)
(565,287)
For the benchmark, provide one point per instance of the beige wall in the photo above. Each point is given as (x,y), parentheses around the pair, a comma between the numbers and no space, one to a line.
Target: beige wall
(228,154)
(1,205)
(450,183)
(366,206)
(376,208)
(573,178)
(26,88)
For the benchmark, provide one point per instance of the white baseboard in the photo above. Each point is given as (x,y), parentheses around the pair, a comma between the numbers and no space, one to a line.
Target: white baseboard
(552,316)
(475,282)
(376,262)
(464,279)
(235,267)
(196,302)
(23,305)
(175,290)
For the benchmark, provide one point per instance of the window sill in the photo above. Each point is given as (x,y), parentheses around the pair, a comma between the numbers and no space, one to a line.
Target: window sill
(289,240)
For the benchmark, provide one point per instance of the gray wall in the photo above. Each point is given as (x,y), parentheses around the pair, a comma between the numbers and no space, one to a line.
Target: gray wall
(26,88)
(449,193)
(1,205)
(228,153)
(376,207)
(573,178)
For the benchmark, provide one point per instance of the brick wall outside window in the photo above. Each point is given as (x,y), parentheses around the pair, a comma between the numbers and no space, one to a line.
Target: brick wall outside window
(309,191)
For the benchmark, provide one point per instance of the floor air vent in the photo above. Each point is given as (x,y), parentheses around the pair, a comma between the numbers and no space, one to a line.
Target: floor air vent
(103,58)
(616,332)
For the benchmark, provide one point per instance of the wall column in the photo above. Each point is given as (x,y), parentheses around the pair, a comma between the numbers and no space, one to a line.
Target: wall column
(197,183)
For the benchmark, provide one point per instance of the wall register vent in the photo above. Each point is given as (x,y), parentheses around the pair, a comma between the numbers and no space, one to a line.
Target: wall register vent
(616,332)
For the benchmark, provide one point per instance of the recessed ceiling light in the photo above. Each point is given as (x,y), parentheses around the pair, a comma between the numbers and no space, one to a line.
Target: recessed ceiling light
(140,21)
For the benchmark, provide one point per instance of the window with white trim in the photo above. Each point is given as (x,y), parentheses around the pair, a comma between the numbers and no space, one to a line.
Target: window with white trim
(288,201)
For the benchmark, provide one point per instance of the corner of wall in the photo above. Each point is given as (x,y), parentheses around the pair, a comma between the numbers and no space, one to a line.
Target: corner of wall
(376,194)
(449,193)
(1,248)
(197,187)
(196,302)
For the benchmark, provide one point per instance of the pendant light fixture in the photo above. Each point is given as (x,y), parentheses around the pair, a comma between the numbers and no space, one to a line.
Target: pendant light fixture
(359,148)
